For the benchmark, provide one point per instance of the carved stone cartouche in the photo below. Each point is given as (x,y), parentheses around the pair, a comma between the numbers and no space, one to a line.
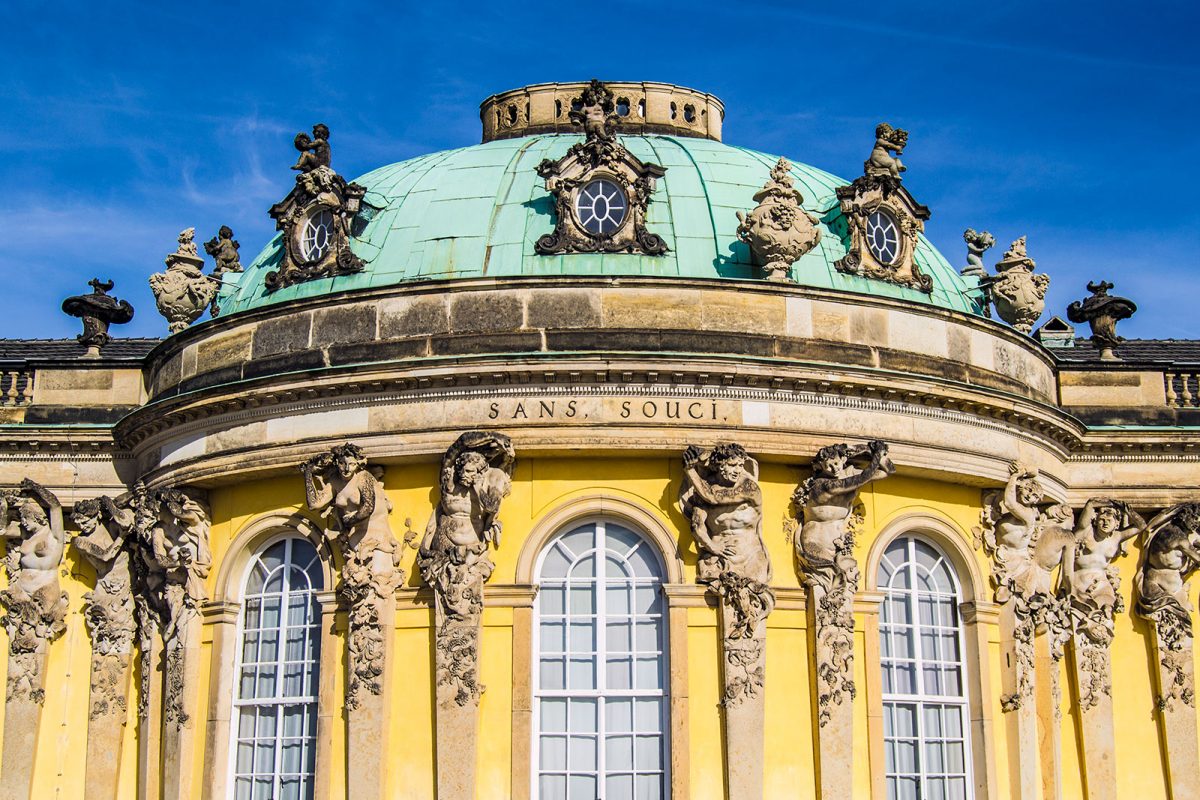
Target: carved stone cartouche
(825,560)
(35,605)
(778,230)
(349,495)
(722,501)
(978,243)
(97,310)
(1102,312)
(224,250)
(601,191)
(316,218)
(883,219)
(453,559)
(182,292)
(1161,588)
(1018,294)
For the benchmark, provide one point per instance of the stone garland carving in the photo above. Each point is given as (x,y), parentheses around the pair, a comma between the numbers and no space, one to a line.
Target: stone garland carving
(602,167)
(453,559)
(97,310)
(825,558)
(183,291)
(779,230)
(1018,294)
(1169,557)
(1027,544)
(105,538)
(722,501)
(320,208)
(1102,312)
(1092,582)
(878,209)
(349,495)
(35,605)
(978,243)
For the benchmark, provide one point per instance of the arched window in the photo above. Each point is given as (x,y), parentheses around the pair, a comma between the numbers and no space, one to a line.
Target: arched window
(275,707)
(600,679)
(924,675)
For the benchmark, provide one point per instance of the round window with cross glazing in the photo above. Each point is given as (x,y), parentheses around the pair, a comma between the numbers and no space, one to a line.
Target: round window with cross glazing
(317,235)
(601,206)
(883,237)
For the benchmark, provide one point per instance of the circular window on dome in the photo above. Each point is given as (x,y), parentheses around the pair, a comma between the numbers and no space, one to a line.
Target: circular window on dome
(316,236)
(883,237)
(601,206)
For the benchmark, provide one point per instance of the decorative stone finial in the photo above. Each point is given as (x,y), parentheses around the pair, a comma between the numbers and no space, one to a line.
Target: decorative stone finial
(779,230)
(977,244)
(98,311)
(183,291)
(1102,311)
(316,218)
(882,163)
(224,250)
(1018,294)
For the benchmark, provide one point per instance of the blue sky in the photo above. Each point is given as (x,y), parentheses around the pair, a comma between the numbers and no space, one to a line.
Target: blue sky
(1073,123)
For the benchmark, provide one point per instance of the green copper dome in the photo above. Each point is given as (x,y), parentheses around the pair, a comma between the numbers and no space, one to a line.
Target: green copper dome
(477,211)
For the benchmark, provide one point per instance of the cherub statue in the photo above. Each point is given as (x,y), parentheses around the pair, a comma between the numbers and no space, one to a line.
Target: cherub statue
(978,243)
(314,152)
(597,113)
(187,243)
(106,532)
(224,250)
(1089,574)
(453,559)
(887,140)
(827,498)
(721,498)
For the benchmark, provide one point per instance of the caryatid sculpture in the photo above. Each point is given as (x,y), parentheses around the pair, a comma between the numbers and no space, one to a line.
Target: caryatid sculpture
(35,605)
(1170,554)
(825,558)
(723,503)
(349,496)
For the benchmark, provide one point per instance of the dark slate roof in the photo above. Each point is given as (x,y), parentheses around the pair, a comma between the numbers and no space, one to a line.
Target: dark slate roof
(69,349)
(1134,351)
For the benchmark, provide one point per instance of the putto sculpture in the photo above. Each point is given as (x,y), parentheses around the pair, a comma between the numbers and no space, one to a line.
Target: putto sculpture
(1102,312)
(1018,294)
(1161,585)
(183,291)
(453,559)
(349,496)
(601,191)
(316,218)
(224,250)
(779,230)
(825,559)
(978,243)
(97,310)
(35,605)
(882,164)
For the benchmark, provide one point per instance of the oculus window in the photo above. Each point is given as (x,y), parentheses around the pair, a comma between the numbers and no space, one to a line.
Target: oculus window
(275,708)
(926,747)
(601,206)
(317,235)
(883,237)
(600,673)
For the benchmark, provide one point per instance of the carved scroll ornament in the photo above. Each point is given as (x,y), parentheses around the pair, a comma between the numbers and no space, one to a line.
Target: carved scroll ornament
(722,501)
(601,191)
(779,230)
(349,495)
(476,476)
(825,559)
(35,605)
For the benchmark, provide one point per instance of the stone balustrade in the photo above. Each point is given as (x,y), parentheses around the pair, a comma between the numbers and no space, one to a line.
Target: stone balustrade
(1182,388)
(16,387)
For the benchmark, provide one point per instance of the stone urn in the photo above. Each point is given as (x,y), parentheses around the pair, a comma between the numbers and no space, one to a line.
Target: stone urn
(182,292)
(1018,294)
(779,231)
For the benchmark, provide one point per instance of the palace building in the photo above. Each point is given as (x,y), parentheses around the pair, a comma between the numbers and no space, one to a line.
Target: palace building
(601,459)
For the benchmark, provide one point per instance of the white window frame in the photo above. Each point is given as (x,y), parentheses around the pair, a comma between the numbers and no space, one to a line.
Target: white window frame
(600,524)
(237,703)
(921,699)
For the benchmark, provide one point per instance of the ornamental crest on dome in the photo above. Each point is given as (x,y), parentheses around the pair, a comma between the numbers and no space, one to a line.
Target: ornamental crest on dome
(883,218)
(316,218)
(601,191)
